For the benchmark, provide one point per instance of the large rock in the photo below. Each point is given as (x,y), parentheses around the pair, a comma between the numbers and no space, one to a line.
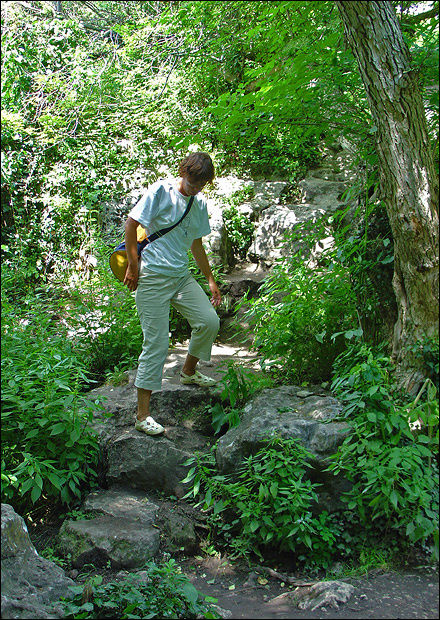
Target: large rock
(168,406)
(178,523)
(121,530)
(323,193)
(275,222)
(153,463)
(289,412)
(217,242)
(319,197)
(31,585)
(264,194)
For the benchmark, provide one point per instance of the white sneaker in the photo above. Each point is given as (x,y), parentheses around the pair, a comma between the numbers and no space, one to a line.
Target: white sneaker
(197,379)
(149,426)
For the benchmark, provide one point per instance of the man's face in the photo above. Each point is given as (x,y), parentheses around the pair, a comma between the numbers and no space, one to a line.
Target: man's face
(192,186)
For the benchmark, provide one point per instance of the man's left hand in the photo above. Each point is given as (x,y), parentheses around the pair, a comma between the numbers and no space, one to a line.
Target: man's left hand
(216,298)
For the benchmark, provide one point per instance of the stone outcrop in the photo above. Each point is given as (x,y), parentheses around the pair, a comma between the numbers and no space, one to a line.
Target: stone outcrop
(153,463)
(124,527)
(31,585)
(119,527)
(277,207)
(292,413)
(287,411)
(158,464)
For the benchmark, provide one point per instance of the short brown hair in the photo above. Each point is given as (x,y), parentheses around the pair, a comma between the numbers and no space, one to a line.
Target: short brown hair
(197,166)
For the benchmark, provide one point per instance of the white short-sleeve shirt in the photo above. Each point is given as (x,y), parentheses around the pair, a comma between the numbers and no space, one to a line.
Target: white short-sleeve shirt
(161,206)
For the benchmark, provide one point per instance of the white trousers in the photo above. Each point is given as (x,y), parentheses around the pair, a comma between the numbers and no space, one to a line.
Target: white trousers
(154,294)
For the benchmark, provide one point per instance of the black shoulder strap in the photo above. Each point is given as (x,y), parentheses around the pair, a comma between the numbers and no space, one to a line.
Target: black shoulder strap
(164,231)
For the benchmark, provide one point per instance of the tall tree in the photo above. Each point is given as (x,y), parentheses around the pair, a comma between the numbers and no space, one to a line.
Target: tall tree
(409,181)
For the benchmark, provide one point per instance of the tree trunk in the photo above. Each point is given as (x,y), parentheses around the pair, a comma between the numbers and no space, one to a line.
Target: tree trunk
(409,181)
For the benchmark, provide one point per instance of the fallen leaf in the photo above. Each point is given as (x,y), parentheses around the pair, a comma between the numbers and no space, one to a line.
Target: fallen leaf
(262,581)
(231,587)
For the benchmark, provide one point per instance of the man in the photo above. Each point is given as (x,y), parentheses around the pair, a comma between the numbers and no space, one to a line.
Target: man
(163,278)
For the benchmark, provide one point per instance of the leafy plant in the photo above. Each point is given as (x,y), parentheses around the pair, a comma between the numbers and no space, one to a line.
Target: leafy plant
(428,351)
(266,503)
(158,591)
(239,227)
(239,386)
(48,447)
(297,310)
(50,554)
(391,454)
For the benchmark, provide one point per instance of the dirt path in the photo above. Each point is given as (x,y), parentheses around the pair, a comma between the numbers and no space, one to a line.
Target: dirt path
(222,353)
(410,594)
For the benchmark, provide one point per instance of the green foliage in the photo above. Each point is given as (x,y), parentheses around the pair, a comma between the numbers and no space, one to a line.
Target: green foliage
(297,310)
(363,375)
(238,386)
(85,121)
(239,230)
(266,503)
(391,453)
(363,247)
(50,554)
(160,591)
(428,351)
(48,447)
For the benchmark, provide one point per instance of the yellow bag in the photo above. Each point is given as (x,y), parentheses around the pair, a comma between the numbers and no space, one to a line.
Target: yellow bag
(118,259)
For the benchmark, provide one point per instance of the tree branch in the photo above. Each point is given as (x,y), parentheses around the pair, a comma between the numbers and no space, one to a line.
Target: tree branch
(29,7)
(416,19)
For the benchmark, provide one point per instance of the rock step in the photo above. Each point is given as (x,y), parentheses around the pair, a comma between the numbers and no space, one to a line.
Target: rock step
(126,528)
(158,464)
(153,463)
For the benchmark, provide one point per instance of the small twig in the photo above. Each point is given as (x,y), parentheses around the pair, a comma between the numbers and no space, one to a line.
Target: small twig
(420,393)
(287,578)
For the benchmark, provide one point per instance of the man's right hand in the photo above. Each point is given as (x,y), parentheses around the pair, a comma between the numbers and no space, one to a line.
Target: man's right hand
(131,277)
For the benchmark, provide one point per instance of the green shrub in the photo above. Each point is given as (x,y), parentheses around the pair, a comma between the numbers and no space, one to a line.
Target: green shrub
(266,504)
(161,591)
(364,248)
(48,447)
(297,310)
(238,386)
(427,349)
(391,454)
(239,228)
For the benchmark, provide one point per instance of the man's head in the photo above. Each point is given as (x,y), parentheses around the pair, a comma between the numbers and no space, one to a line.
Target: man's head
(196,170)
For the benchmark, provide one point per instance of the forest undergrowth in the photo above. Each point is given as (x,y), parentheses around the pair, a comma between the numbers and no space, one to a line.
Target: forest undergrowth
(98,101)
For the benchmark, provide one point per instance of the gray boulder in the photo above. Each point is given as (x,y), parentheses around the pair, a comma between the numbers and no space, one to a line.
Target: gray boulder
(274,223)
(319,196)
(153,463)
(217,242)
(120,529)
(178,522)
(323,193)
(168,406)
(289,412)
(265,194)
(31,585)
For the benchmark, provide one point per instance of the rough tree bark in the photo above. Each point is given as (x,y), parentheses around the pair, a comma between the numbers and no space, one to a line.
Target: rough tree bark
(409,180)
